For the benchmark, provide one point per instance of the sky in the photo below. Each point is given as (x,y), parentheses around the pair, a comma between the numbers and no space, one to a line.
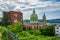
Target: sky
(51,8)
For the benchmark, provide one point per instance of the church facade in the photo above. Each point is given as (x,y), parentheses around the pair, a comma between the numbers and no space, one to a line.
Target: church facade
(34,24)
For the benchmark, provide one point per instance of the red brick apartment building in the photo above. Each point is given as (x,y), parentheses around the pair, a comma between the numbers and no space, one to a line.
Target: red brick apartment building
(13,16)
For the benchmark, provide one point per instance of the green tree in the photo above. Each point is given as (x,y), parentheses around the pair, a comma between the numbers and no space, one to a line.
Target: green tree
(6,20)
(48,31)
(17,27)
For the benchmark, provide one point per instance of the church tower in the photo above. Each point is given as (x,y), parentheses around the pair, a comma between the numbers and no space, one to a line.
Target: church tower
(34,17)
(44,19)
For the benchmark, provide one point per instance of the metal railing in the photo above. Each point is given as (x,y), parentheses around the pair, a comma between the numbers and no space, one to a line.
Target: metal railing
(10,35)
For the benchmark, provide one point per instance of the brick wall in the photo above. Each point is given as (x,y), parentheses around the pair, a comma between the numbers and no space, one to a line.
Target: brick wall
(16,16)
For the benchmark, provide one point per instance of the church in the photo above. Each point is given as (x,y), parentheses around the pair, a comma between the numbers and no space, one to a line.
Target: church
(34,24)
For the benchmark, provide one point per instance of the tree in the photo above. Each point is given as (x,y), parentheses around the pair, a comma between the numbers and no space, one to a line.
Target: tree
(5,19)
(48,31)
(17,27)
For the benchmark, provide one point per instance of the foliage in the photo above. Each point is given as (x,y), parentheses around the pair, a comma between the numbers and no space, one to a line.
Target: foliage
(2,29)
(55,38)
(4,37)
(31,34)
(17,27)
(5,19)
(23,34)
(47,31)
(0,23)
(34,32)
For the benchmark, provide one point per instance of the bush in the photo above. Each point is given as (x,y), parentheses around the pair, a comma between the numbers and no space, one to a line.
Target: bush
(48,31)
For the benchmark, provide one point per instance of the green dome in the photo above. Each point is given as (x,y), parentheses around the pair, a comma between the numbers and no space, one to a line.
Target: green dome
(34,17)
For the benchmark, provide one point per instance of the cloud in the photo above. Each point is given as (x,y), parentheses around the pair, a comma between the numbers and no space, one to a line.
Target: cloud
(26,6)
(16,5)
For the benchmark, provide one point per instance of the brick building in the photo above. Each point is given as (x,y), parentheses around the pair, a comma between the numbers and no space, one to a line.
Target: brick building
(13,16)
(16,16)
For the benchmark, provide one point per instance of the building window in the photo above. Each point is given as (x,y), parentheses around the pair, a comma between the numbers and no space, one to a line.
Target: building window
(57,34)
(21,16)
(15,19)
(15,15)
(57,31)
(57,27)
(21,19)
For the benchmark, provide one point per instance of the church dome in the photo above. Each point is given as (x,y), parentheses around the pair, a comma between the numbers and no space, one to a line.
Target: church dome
(34,17)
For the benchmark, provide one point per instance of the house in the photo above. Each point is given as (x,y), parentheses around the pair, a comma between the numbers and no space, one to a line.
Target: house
(57,30)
